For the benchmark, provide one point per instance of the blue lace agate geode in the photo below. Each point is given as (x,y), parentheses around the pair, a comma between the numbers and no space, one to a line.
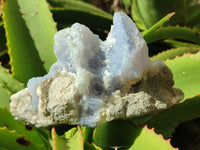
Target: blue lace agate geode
(93,81)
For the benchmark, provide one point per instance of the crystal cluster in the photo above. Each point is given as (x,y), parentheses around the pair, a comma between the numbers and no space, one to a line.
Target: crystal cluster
(96,81)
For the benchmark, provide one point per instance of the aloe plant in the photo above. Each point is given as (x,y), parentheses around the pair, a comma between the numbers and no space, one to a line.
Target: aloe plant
(26,35)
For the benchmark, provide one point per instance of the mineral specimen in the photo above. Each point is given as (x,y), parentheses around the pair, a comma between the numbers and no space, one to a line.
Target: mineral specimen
(96,81)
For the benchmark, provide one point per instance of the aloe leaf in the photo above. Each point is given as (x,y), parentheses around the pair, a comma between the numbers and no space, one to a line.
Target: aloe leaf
(177,114)
(148,139)
(8,86)
(175,52)
(88,146)
(59,143)
(8,82)
(192,12)
(115,134)
(67,12)
(125,135)
(178,44)
(41,27)
(186,73)
(79,6)
(187,12)
(136,15)
(3,49)
(174,32)
(87,133)
(7,120)
(25,60)
(127,3)
(74,143)
(157,25)
(70,133)
(12,140)
(153,10)
(5,97)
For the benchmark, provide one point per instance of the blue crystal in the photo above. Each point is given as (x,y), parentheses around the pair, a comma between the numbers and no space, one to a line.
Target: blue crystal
(101,67)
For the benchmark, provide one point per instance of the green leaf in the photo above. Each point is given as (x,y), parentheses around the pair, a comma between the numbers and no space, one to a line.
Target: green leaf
(70,133)
(177,114)
(88,146)
(1,148)
(74,143)
(157,25)
(7,120)
(172,32)
(115,134)
(42,28)
(151,141)
(5,97)
(136,15)
(149,12)
(67,12)
(126,135)
(178,44)
(8,86)
(3,48)
(127,3)
(186,73)
(79,6)
(87,133)
(25,60)
(175,52)
(59,143)
(12,140)
(192,12)
(8,82)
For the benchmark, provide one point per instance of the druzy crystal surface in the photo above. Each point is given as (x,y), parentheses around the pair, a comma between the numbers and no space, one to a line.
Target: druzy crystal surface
(95,81)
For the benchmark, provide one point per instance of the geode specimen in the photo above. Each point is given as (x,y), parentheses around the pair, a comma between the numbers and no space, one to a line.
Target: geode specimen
(96,81)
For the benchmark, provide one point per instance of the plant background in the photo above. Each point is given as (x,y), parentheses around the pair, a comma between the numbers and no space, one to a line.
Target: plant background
(171,30)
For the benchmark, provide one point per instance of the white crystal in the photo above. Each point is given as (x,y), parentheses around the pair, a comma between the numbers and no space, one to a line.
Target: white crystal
(126,52)
(95,81)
